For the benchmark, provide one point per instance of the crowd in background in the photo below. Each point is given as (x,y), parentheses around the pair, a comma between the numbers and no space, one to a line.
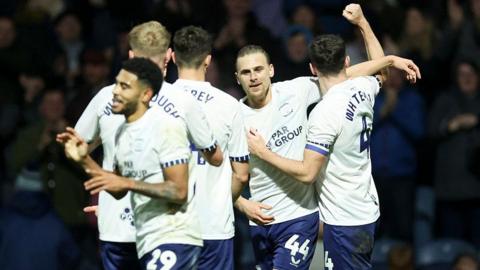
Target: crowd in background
(56,54)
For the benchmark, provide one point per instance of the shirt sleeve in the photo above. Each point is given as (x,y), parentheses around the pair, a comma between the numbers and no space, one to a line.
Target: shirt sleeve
(237,144)
(198,128)
(373,84)
(173,147)
(88,123)
(324,126)
(308,89)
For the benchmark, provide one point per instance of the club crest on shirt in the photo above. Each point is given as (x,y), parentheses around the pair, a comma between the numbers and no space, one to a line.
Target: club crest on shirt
(285,109)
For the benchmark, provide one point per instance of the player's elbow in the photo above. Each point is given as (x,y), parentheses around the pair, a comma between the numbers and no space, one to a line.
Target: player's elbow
(307,179)
(242,177)
(214,157)
(182,196)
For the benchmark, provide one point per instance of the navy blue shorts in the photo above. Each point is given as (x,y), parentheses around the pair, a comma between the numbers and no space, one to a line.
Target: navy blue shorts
(348,247)
(286,245)
(216,255)
(171,257)
(119,256)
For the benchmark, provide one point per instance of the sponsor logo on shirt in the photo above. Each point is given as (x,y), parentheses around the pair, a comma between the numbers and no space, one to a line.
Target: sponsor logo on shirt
(283,135)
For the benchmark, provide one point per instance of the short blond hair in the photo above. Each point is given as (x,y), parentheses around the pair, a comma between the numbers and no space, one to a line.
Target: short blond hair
(149,39)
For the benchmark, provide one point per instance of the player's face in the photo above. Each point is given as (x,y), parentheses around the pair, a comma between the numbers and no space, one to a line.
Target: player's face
(254,74)
(126,94)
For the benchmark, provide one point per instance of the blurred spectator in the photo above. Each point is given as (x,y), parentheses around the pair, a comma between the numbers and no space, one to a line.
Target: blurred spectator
(398,126)
(95,76)
(466,262)
(33,83)
(68,28)
(304,15)
(36,144)
(401,258)
(295,60)
(270,15)
(417,43)
(239,29)
(31,234)
(454,124)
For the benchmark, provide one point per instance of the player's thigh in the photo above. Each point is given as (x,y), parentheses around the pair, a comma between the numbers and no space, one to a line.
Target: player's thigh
(216,255)
(171,257)
(262,247)
(348,247)
(119,256)
(295,242)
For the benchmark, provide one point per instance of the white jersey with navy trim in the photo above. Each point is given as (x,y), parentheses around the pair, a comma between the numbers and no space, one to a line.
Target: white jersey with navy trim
(115,218)
(340,127)
(282,123)
(142,149)
(213,189)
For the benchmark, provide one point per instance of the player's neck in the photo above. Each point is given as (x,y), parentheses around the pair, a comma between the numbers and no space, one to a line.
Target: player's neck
(191,74)
(326,82)
(137,114)
(260,102)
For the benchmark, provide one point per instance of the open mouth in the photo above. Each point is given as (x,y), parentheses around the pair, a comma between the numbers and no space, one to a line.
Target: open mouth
(116,102)
(255,85)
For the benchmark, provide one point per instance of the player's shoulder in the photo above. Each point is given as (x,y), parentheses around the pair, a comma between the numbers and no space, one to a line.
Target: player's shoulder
(104,95)
(304,81)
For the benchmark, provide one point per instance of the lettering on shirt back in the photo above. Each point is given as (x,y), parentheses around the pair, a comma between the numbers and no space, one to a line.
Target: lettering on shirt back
(354,102)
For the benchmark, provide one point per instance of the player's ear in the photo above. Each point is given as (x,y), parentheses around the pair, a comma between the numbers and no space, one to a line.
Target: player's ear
(347,61)
(174,58)
(313,70)
(207,61)
(147,95)
(271,70)
(131,54)
(168,56)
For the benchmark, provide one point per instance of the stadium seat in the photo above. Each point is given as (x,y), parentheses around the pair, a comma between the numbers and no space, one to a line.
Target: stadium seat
(380,252)
(424,215)
(440,254)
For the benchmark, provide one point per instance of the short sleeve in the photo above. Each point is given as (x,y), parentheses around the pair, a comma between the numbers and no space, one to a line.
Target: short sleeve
(308,89)
(237,144)
(198,127)
(173,148)
(324,126)
(373,84)
(88,123)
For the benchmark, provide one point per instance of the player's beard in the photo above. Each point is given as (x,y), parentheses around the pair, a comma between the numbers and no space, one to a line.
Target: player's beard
(127,109)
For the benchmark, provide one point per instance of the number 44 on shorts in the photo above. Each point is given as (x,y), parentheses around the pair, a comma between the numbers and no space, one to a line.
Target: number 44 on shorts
(295,247)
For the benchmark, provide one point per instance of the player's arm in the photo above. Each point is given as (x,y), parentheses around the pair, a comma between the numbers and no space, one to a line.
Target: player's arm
(174,189)
(305,171)
(238,154)
(240,177)
(374,66)
(213,155)
(354,14)
(202,135)
(77,149)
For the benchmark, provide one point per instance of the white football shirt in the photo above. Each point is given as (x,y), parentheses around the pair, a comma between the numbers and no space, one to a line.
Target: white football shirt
(115,217)
(214,184)
(142,148)
(283,125)
(339,127)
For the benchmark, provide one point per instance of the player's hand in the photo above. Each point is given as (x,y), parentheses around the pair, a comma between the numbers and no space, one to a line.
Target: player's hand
(354,14)
(91,209)
(254,211)
(107,181)
(75,147)
(256,144)
(407,65)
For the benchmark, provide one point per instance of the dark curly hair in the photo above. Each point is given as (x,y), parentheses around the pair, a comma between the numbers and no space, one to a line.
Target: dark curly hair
(147,72)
